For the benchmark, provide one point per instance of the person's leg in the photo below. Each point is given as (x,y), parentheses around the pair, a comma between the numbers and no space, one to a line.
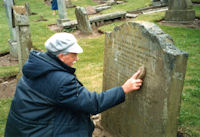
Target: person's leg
(54,6)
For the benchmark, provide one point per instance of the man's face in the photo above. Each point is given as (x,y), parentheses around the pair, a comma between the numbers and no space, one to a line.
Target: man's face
(69,59)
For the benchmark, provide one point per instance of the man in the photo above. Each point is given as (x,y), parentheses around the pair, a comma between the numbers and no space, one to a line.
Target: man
(51,102)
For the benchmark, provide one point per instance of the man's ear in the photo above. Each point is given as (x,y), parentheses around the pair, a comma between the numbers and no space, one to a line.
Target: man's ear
(60,56)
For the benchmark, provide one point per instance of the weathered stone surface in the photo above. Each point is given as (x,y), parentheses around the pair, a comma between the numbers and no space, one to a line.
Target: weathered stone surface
(153,110)
(159,2)
(180,11)
(98,9)
(97,19)
(69,4)
(28,8)
(24,42)
(83,20)
(108,16)
(13,39)
(62,11)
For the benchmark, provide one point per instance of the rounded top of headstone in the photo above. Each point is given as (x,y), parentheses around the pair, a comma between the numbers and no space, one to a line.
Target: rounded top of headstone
(151,32)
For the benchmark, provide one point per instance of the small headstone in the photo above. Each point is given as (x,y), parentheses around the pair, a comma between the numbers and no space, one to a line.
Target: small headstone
(62,11)
(98,9)
(69,4)
(13,38)
(180,11)
(24,42)
(83,20)
(156,3)
(153,110)
(164,2)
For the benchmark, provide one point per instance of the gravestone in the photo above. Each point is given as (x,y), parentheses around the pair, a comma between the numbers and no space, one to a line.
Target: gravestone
(28,8)
(13,40)
(160,2)
(153,110)
(180,11)
(62,12)
(24,42)
(69,4)
(156,3)
(83,20)
(164,2)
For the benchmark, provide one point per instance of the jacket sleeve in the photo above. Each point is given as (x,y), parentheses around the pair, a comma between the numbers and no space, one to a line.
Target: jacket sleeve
(75,96)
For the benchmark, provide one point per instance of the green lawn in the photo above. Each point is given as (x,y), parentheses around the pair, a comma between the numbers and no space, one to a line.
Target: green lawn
(90,66)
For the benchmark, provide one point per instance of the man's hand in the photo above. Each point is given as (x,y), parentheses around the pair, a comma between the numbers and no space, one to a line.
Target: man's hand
(132,84)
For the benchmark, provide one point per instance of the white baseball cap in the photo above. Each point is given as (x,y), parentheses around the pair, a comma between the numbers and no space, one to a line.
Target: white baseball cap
(62,43)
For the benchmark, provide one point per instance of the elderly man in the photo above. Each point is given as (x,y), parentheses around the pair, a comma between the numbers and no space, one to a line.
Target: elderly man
(51,102)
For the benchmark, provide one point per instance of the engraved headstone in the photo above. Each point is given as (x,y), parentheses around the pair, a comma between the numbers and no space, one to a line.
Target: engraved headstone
(83,20)
(24,42)
(180,11)
(62,12)
(13,40)
(153,110)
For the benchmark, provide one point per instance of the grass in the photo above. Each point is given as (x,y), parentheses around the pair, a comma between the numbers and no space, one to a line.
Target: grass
(90,66)
(5,106)
(196,1)
(6,71)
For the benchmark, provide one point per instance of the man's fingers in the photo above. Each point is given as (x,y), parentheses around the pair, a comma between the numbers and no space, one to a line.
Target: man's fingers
(136,74)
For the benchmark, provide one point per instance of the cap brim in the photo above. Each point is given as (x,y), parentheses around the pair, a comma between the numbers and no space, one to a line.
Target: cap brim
(75,49)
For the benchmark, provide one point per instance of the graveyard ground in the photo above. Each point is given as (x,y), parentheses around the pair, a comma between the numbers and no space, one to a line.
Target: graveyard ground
(186,38)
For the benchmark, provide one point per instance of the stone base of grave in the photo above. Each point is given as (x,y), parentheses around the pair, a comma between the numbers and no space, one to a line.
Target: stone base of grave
(180,15)
(61,21)
(13,48)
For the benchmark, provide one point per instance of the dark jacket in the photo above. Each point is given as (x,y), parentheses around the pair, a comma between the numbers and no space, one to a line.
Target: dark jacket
(51,102)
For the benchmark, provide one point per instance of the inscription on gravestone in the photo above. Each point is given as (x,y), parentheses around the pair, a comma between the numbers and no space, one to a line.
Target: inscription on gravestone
(153,110)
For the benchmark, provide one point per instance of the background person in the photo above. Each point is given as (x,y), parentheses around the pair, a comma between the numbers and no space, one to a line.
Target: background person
(54,6)
(51,102)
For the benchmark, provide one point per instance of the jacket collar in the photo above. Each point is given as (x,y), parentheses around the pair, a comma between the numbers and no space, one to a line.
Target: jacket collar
(63,65)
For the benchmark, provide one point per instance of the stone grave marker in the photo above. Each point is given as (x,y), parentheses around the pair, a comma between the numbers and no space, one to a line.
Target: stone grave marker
(62,11)
(13,40)
(24,42)
(83,20)
(69,4)
(153,110)
(180,11)
(160,2)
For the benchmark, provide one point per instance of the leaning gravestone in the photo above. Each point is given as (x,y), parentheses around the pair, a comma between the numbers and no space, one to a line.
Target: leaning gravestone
(180,11)
(24,42)
(13,40)
(153,110)
(83,20)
